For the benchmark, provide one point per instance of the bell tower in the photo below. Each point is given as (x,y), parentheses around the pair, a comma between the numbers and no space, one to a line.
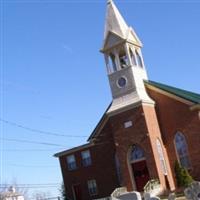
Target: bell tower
(125,66)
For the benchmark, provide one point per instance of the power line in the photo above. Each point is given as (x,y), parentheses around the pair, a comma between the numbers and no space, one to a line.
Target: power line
(39,131)
(31,142)
(30,166)
(29,187)
(30,184)
(25,150)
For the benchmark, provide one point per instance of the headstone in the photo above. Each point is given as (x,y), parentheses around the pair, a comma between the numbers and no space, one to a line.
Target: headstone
(172,196)
(155,198)
(147,196)
(188,194)
(193,191)
(198,196)
(130,195)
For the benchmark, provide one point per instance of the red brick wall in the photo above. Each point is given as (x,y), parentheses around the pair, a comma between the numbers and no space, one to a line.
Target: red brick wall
(126,138)
(149,123)
(174,116)
(154,135)
(102,169)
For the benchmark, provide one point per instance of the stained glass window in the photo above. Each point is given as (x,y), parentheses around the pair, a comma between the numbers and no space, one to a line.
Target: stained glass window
(182,150)
(137,153)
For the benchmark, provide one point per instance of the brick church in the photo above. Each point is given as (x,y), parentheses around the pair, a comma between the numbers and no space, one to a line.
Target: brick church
(147,127)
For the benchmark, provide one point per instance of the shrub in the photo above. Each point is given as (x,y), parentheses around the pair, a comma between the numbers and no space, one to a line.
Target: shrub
(183,178)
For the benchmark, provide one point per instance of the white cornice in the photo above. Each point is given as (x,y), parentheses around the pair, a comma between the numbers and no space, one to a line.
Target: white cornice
(170,95)
(75,149)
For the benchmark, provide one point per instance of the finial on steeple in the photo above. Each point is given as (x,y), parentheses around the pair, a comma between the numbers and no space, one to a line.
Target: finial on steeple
(114,20)
(116,24)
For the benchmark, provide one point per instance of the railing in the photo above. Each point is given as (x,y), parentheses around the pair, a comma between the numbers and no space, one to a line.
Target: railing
(118,191)
(152,185)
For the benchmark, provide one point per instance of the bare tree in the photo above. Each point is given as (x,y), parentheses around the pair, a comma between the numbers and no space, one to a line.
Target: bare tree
(40,195)
(4,188)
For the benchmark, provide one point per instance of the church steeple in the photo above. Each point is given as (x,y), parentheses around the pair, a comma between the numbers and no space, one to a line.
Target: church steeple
(115,24)
(114,21)
(124,61)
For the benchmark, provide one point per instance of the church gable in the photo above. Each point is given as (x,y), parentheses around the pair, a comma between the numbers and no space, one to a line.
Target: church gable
(184,96)
(133,141)
(112,40)
(133,38)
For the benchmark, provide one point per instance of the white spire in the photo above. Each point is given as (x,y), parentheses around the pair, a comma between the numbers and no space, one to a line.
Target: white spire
(114,21)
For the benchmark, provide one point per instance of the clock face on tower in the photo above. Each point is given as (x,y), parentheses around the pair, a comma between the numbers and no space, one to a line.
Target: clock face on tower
(122,81)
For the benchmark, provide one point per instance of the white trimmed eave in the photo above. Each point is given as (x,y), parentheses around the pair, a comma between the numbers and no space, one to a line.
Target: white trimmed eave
(138,41)
(134,43)
(98,128)
(103,50)
(70,151)
(187,102)
(108,114)
(195,107)
(121,40)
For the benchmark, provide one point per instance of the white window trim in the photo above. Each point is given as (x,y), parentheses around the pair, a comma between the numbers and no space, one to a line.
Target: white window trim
(88,182)
(68,163)
(89,157)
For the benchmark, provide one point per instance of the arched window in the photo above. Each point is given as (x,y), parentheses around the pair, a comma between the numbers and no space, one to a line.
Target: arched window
(123,58)
(139,59)
(111,63)
(161,156)
(132,57)
(137,153)
(182,150)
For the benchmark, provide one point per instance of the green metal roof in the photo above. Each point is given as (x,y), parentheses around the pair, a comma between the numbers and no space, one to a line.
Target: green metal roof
(190,96)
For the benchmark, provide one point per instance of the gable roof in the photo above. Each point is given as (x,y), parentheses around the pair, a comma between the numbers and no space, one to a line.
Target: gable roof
(184,94)
(102,120)
(187,95)
(72,150)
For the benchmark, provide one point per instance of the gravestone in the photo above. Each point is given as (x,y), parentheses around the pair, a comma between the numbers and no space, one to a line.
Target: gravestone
(172,196)
(193,191)
(147,196)
(155,198)
(130,196)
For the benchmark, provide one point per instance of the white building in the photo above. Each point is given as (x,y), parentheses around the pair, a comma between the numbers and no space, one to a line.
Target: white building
(11,194)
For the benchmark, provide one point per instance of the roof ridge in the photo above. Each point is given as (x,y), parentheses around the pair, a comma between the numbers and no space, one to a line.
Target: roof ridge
(191,96)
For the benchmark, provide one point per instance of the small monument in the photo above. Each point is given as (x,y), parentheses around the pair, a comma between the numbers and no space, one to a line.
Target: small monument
(172,196)
(130,195)
(148,196)
(193,191)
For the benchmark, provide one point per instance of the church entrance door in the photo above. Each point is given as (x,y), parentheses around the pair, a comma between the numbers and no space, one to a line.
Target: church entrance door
(138,166)
(141,174)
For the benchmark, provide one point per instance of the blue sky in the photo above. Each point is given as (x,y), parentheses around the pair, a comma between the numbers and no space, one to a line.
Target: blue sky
(53,77)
